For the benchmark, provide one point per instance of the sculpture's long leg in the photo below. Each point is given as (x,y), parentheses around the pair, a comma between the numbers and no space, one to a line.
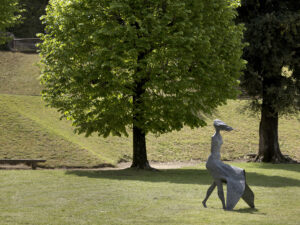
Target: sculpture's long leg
(208,193)
(221,193)
(248,196)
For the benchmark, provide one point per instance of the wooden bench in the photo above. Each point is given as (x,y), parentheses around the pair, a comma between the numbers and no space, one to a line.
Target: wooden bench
(28,162)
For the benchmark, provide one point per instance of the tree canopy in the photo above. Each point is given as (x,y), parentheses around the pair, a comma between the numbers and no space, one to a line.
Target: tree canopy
(9,16)
(156,66)
(272,76)
(273,34)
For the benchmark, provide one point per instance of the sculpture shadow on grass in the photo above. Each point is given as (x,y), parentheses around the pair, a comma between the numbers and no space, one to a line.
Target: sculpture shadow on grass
(249,211)
(182,176)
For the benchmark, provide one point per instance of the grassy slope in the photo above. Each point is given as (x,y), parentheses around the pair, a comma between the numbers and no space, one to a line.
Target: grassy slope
(19,73)
(28,129)
(21,137)
(33,109)
(184,145)
(141,197)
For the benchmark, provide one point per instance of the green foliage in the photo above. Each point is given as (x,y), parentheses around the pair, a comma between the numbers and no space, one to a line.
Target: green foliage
(273,34)
(161,64)
(9,16)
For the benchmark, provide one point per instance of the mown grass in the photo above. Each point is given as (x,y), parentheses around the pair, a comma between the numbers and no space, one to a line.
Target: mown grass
(142,197)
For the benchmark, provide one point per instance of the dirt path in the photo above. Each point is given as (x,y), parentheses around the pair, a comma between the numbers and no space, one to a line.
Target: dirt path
(120,166)
(125,165)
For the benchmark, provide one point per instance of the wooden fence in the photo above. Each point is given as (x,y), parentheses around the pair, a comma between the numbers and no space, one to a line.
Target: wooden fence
(24,44)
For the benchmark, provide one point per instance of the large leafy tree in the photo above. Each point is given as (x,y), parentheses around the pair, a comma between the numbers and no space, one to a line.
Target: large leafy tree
(146,66)
(272,77)
(9,16)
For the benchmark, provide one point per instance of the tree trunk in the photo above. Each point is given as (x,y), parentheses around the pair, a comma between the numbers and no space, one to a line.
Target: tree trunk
(139,150)
(269,150)
(139,136)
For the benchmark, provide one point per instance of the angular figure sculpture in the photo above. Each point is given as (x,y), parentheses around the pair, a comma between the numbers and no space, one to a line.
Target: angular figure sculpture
(234,177)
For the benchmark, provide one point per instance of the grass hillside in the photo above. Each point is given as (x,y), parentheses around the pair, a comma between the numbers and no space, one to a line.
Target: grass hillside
(30,130)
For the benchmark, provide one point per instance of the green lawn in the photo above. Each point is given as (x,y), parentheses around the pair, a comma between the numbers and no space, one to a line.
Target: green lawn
(143,197)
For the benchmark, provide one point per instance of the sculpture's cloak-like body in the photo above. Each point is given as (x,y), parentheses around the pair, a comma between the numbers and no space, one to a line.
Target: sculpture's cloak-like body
(224,173)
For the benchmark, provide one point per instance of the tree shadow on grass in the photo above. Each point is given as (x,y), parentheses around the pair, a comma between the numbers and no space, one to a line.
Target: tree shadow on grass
(183,176)
(282,166)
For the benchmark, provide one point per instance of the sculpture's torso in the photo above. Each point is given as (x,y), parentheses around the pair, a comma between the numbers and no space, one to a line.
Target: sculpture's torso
(218,169)
(216,143)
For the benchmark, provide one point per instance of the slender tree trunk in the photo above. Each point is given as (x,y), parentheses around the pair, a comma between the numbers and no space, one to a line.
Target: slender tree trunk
(269,150)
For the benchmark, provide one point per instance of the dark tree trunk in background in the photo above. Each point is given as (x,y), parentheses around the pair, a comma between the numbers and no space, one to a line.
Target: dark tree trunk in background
(269,150)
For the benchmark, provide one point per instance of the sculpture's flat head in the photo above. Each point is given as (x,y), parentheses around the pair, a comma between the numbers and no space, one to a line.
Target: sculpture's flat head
(220,125)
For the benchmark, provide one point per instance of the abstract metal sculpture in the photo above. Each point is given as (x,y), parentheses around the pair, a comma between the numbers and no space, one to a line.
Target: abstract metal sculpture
(234,177)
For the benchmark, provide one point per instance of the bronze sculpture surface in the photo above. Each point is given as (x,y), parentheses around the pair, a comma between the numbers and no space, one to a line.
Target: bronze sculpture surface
(234,177)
